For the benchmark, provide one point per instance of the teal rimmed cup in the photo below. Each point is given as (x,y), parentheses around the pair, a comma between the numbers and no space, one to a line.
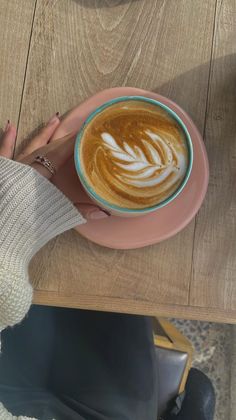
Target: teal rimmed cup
(122,211)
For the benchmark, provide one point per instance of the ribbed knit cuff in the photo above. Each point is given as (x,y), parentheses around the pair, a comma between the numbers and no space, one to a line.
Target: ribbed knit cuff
(32,211)
(5,415)
(15,297)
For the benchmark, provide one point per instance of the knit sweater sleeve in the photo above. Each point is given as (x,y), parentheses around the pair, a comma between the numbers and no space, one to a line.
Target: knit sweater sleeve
(32,211)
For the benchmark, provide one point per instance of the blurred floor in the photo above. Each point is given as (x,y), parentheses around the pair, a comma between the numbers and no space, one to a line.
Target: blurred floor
(215,355)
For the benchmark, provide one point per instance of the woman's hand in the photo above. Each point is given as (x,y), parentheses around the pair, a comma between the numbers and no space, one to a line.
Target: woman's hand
(56,151)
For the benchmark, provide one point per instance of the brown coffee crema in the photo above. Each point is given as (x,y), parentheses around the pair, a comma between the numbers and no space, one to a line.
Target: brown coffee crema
(134,154)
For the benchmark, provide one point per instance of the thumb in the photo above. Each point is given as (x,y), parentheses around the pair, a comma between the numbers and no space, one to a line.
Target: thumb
(7,142)
(91,212)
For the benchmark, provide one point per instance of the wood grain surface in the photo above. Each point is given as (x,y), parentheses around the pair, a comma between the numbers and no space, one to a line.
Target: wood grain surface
(15,30)
(214,269)
(77,50)
(80,47)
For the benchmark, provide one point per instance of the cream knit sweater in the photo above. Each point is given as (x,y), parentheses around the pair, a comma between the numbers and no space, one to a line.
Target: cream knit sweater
(32,211)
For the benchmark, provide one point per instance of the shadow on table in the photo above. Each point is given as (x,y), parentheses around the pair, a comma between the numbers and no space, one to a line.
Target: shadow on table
(221,107)
(219,130)
(103,4)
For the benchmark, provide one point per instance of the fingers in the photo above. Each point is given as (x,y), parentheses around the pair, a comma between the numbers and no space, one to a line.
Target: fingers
(42,138)
(57,152)
(61,150)
(7,143)
(91,212)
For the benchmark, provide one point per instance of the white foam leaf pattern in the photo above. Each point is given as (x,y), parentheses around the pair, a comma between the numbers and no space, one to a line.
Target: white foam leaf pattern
(166,147)
(110,141)
(123,156)
(136,158)
(140,154)
(129,150)
(133,167)
(153,151)
(145,174)
(152,181)
(140,169)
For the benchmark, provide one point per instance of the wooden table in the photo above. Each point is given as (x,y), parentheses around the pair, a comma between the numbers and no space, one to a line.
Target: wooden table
(54,54)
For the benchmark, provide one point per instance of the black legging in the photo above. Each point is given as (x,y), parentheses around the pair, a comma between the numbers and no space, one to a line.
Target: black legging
(72,364)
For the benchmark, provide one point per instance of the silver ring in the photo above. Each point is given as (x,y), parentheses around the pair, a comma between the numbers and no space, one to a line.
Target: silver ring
(44,161)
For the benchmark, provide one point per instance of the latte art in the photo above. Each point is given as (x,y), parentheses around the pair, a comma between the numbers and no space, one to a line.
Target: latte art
(134,155)
(140,171)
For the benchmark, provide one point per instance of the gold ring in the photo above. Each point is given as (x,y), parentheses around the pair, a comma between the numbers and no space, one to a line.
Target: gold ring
(44,161)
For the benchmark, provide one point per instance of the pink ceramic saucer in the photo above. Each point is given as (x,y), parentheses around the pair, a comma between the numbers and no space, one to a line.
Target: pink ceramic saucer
(123,233)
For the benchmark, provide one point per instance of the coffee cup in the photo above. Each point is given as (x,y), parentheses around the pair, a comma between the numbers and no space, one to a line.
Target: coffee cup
(133,155)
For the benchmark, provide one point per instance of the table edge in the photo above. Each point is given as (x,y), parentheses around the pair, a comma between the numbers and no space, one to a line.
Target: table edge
(134,306)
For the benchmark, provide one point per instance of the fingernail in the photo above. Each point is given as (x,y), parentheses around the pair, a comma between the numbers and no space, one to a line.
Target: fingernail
(106,212)
(53,120)
(7,126)
(98,214)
